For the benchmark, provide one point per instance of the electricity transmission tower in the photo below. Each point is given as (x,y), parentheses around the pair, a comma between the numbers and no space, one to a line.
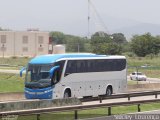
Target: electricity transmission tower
(99,24)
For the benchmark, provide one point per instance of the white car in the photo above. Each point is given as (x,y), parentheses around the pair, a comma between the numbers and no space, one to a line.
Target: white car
(138,76)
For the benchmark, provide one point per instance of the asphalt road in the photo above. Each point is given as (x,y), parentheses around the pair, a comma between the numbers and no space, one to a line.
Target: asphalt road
(149,80)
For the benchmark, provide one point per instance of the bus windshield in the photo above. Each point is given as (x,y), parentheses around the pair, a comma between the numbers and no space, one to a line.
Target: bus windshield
(38,76)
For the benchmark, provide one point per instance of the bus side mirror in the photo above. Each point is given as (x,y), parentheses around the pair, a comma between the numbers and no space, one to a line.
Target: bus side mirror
(21,71)
(52,70)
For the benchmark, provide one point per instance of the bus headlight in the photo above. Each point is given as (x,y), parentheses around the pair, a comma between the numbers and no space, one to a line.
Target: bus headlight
(47,91)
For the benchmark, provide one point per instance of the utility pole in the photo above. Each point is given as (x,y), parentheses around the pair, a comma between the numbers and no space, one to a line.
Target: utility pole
(137,74)
(3,49)
(78,47)
(88,18)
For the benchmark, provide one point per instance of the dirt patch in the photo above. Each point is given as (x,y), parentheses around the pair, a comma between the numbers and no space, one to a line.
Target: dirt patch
(12,96)
(144,87)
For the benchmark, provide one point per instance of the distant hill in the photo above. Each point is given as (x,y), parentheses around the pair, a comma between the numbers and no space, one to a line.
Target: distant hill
(140,28)
(129,27)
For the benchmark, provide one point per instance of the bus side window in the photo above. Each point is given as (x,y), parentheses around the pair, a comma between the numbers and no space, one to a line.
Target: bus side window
(88,65)
(81,66)
(91,66)
(111,65)
(102,65)
(98,66)
(121,64)
(71,67)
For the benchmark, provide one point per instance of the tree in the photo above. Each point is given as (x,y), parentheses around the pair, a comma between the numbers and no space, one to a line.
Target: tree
(156,45)
(113,49)
(100,34)
(73,43)
(143,45)
(99,43)
(58,37)
(104,44)
(119,38)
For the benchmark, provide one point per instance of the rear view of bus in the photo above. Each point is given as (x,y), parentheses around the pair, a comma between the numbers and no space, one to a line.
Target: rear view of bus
(74,75)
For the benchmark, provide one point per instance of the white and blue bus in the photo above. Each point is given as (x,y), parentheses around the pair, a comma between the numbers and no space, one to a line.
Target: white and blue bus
(74,75)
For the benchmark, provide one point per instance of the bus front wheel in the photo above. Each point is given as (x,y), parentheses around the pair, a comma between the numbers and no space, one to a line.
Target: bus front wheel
(67,93)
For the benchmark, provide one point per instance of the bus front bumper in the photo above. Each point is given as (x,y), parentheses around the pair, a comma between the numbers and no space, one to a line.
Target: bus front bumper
(44,93)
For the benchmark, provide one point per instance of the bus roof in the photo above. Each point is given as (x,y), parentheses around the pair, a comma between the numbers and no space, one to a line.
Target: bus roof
(49,59)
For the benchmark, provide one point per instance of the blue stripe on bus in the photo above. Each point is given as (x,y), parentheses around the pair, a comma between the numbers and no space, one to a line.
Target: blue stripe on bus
(48,59)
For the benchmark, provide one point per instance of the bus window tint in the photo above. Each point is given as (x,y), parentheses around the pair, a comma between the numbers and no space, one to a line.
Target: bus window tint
(101,65)
(81,66)
(90,65)
(121,64)
(71,67)
(109,65)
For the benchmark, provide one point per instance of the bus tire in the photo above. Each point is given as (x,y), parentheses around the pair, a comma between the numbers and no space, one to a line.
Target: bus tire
(67,93)
(109,91)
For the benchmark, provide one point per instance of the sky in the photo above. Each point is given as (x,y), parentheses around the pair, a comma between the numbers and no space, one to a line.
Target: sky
(70,16)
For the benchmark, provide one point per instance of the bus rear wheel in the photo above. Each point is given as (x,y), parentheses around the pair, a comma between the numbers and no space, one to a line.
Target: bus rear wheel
(109,91)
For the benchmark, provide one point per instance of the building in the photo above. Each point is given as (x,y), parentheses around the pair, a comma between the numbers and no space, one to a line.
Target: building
(23,43)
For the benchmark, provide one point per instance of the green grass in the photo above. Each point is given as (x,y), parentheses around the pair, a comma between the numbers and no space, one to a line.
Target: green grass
(99,112)
(10,68)
(14,61)
(131,82)
(152,71)
(140,61)
(11,83)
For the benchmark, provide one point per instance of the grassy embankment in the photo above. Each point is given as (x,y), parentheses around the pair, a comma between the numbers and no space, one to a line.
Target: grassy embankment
(13,63)
(12,82)
(153,69)
(92,113)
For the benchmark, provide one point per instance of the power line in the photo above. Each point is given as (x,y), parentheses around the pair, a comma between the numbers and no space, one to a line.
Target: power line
(100,25)
(88,18)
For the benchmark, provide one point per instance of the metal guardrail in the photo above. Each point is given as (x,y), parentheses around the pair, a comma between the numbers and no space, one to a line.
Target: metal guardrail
(122,95)
(77,107)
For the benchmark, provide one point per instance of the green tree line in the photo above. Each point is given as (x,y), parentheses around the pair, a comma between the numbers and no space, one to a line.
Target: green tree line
(109,44)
